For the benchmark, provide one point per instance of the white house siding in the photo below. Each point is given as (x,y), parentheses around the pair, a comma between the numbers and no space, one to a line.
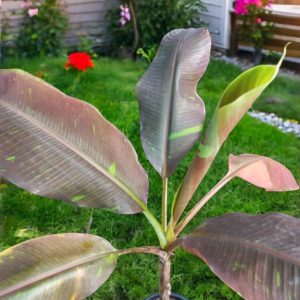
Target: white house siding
(217,18)
(86,18)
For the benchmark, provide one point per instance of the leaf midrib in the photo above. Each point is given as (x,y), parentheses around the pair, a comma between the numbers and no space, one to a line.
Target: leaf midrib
(56,271)
(251,244)
(275,72)
(170,107)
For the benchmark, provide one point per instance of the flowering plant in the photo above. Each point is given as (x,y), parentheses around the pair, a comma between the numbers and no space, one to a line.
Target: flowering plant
(43,26)
(254,26)
(143,23)
(31,10)
(125,15)
(80,61)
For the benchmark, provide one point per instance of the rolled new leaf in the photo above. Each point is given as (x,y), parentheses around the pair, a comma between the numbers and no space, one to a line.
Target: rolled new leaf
(171,112)
(257,256)
(60,147)
(238,97)
(261,171)
(60,266)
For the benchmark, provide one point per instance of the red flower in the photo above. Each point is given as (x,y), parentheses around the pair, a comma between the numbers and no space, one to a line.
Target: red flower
(80,61)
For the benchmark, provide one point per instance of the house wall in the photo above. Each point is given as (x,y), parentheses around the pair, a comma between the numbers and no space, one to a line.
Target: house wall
(86,18)
(217,18)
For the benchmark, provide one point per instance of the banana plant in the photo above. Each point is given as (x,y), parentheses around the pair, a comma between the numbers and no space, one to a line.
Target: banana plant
(60,147)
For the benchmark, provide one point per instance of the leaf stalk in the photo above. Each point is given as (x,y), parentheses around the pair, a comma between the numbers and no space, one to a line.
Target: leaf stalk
(164,204)
(150,217)
(145,250)
(190,215)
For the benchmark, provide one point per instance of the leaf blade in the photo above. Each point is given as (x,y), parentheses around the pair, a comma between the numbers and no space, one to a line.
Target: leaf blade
(67,148)
(262,171)
(59,266)
(171,112)
(244,250)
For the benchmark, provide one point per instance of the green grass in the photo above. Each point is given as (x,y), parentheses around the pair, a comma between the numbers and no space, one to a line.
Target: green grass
(282,98)
(110,87)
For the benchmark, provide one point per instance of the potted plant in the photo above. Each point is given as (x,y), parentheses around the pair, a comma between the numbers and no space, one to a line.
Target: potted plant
(66,150)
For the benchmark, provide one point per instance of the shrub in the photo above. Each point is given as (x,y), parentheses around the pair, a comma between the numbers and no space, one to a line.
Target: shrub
(6,39)
(42,31)
(120,37)
(154,20)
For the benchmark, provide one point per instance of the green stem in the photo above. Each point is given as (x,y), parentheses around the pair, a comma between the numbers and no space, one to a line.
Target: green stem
(89,223)
(157,227)
(76,81)
(150,217)
(164,205)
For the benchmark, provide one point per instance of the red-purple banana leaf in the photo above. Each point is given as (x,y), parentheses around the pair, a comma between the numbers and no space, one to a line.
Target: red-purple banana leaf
(171,112)
(60,147)
(261,171)
(60,267)
(257,256)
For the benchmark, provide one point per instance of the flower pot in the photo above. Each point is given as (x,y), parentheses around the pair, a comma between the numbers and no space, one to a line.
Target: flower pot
(257,57)
(173,296)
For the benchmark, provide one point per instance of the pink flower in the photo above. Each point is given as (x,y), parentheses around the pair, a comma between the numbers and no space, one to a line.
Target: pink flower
(259,3)
(241,6)
(269,4)
(125,15)
(258,20)
(33,12)
(26,4)
(122,22)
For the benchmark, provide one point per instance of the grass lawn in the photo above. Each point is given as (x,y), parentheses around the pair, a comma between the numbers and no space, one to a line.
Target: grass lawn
(110,87)
(282,98)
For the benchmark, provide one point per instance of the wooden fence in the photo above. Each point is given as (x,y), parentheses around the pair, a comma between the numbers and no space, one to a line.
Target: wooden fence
(286,29)
(86,18)
(286,2)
